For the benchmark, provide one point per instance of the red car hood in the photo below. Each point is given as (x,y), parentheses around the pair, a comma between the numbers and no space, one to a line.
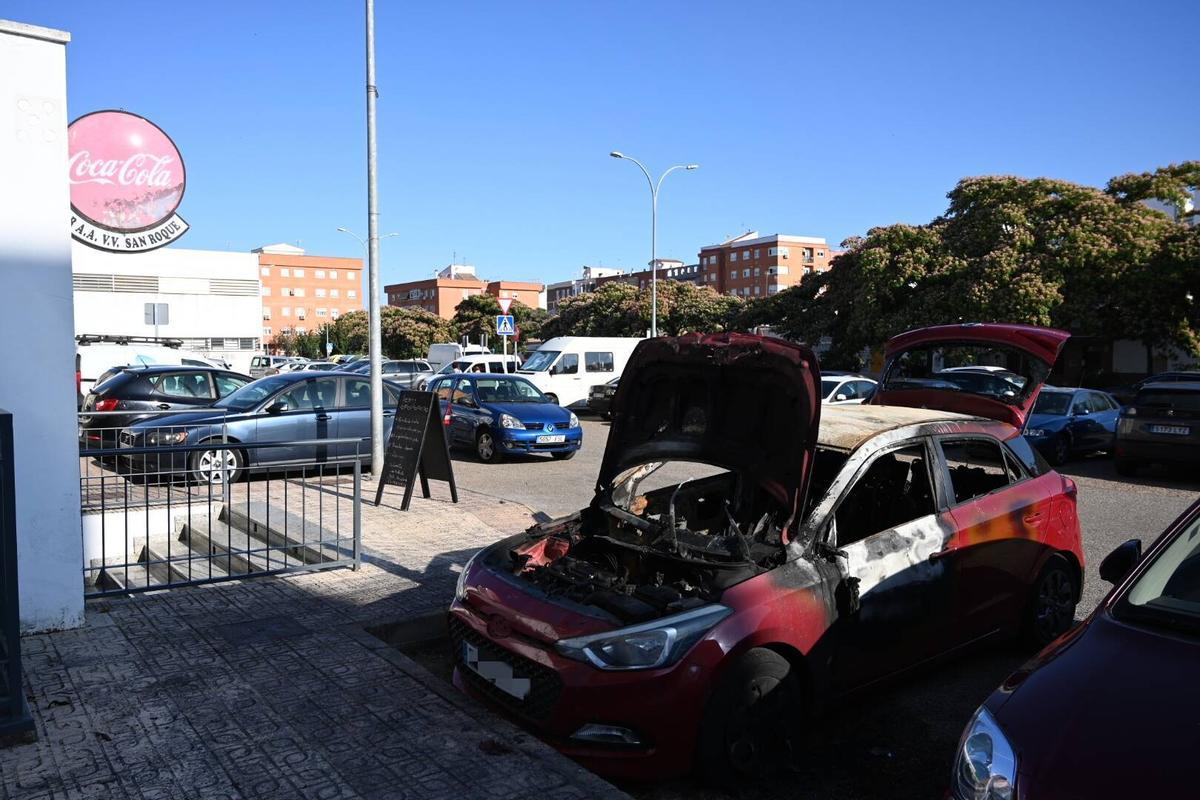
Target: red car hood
(1039,346)
(1111,711)
(747,403)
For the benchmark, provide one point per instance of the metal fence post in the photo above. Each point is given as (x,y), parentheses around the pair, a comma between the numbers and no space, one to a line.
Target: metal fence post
(357,513)
(14,713)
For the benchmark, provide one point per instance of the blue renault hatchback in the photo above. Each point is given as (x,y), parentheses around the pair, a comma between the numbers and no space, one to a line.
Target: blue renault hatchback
(497,415)
(1068,422)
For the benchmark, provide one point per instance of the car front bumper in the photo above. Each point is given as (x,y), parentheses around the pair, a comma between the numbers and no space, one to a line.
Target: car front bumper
(516,440)
(662,708)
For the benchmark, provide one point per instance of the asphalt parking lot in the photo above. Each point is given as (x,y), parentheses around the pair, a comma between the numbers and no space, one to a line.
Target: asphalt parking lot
(897,741)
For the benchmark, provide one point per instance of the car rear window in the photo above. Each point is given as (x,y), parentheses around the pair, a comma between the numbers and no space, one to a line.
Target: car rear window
(977,467)
(1180,400)
(181,384)
(1031,459)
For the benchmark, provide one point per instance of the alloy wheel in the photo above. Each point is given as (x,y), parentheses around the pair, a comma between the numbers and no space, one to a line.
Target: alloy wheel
(1055,608)
(486,446)
(216,466)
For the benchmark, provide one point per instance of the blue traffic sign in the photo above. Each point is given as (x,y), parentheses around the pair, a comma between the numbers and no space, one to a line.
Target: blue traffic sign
(505,325)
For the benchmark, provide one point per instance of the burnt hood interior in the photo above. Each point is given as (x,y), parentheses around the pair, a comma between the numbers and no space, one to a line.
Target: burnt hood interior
(747,403)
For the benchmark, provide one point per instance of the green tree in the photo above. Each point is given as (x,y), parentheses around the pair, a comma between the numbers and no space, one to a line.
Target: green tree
(620,309)
(1173,184)
(406,332)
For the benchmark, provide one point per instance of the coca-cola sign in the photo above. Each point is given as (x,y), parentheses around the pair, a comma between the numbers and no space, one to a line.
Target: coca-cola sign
(127,179)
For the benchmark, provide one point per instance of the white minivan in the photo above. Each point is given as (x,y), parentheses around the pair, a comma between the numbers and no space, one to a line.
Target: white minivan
(442,353)
(565,367)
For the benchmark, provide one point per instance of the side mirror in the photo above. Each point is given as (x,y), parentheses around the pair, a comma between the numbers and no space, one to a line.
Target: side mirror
(1121,561)
(278,407)
(552,399)
(840,397)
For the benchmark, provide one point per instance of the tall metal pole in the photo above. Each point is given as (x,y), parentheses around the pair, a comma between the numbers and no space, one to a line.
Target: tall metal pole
(654,187)
(376,339)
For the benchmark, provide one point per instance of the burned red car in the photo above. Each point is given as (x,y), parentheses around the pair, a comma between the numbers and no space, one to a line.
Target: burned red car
(750,555)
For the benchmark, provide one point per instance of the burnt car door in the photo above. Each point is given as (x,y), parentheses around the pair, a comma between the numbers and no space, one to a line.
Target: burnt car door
(888,530)
(1001,514)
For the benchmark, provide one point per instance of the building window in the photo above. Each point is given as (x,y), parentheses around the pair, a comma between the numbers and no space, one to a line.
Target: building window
(732,274)
(334,313)
(286,311)
(321,274)
(266,313)
(352,294)
(299,292)
(320,292)
(333,274)
(746,272)
(298,273)
(820,252)
(300,313)
(349,276)
(264,271)
(784,252)
(733,256)
(757,272)
(758,290)
(757,252)
(335,292)
(285,273)
(712,277)
(301,329)
(267,331)
(266,291)
(321,312)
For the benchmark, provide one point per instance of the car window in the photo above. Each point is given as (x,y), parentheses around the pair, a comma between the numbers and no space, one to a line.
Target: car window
(463,394)
(358,393)
(309,395)
(1080,404)
(256,361)
(567,365)
(228,384)
(895,489)
(1054,403)
(495,366)
(507,390)
(443,390)
(1032,460)
(1098,403)
(182,384)
(391,396)
(976,467)
(827,387)
(1168,592)
(598,362)
(863,388)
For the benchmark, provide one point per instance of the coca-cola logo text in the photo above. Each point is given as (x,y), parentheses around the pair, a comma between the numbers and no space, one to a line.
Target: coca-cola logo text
(140,169)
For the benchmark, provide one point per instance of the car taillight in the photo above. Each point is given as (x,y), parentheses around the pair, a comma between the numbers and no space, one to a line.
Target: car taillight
(78,382)
(446,419)
(107,404)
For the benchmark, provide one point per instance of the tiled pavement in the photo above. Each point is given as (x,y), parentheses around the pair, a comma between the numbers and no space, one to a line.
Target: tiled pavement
(270,688)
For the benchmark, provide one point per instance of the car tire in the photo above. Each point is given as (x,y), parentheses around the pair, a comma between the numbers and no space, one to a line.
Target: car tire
(486,447)
(213,466)
(1062,450)
(565,456)
(1051,610)
(1126,466)
(753,722)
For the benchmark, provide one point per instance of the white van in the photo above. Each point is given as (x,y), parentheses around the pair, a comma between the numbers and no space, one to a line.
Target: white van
(93,359)
(565,367)
(442,353)
(491,362)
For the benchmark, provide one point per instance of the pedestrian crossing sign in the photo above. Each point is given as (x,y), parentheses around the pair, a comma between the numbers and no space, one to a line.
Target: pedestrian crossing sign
(505,325)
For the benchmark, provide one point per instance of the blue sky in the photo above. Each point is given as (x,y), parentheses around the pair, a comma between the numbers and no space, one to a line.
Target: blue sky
(495,119)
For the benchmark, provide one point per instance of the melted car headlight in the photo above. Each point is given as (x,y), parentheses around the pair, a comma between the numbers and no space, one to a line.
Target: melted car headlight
(509,421)
(574,421)
(986,767)
(157,438)
(1035,433)
(646,646)
(460,587)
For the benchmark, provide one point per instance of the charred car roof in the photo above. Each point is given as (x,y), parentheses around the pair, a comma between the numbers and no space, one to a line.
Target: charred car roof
(846,427)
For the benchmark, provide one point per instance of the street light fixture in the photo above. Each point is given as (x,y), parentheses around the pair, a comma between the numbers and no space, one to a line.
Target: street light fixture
(375,346)
(654,187)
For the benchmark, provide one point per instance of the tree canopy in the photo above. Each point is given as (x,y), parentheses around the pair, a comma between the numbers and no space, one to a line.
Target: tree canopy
(476,315)
(620,309)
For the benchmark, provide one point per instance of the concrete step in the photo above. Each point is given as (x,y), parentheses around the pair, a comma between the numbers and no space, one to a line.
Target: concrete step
(232,549)
(304,538)
(181,564)
(132,576)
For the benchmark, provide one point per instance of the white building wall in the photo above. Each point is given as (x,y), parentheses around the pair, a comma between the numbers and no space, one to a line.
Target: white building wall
(35,321)
(214,298)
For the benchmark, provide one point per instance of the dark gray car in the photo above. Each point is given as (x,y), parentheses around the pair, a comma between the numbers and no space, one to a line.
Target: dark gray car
(1161,425)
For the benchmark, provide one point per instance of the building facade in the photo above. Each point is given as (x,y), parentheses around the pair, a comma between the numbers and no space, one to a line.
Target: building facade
(750,265)
(441,294)
(300,292)
(587,282)
(206,299)
(669,269)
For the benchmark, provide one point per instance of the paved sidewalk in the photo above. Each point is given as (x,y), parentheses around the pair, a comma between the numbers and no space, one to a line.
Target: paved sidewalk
(271,688)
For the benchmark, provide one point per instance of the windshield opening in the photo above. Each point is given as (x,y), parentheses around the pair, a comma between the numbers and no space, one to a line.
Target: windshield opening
(995,372)
(250,395)
(540,360)
(1168,592)
(1053,403)
(508,390)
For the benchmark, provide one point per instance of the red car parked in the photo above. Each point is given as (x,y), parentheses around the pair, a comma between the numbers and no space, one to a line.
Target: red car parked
(697,623)
(1111,709)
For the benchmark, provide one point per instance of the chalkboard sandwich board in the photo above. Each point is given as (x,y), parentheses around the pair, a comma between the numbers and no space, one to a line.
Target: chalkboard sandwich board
(416,448)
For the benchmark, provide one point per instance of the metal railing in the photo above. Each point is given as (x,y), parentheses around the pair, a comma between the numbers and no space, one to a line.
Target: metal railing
(167,505)
(14,712)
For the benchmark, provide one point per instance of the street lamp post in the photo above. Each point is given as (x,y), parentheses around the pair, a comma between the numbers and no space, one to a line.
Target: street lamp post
(654,187)
(370,247)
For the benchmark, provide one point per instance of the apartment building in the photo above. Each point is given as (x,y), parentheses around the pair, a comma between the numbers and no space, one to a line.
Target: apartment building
(441,294)
(587,282)
(752,266)
(300,292)
(669,269)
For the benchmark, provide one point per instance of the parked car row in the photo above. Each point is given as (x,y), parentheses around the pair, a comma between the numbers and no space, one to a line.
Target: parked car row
(706,625)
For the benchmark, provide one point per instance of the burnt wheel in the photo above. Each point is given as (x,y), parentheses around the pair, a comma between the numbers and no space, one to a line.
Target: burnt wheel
(486,447)
(753,721)
(1052,609)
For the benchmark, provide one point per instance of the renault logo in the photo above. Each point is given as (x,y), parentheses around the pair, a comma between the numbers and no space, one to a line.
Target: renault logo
(549,427)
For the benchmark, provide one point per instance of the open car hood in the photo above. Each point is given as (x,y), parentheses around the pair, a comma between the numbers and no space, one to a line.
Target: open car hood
(750,404)
(923,369)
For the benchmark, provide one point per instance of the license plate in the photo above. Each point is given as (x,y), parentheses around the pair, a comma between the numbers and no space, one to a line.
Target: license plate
(498,673)
(551,439)
(1172,430)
